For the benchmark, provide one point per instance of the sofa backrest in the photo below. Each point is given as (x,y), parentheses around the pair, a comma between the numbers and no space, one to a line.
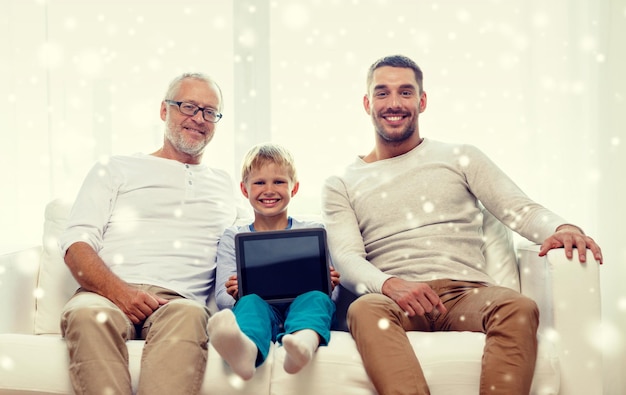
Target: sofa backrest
(56,284)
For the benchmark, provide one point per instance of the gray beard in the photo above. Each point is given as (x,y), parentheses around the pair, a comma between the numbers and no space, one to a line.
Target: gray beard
(183,146)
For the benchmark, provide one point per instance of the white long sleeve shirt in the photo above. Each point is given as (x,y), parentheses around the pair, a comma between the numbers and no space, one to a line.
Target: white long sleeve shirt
(417,216)
(154,221)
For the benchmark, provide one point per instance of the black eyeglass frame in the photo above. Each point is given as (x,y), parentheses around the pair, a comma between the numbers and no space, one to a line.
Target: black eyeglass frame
(218,115)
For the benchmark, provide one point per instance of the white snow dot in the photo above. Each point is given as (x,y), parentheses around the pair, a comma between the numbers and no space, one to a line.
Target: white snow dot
(102,317)
(51,55)
(235,381)
(552,335)
(463,16)
(615,141)
(6,363)
(383,324)
(38,293)
(606,337)
(247,38)
(588,43)
(295,16)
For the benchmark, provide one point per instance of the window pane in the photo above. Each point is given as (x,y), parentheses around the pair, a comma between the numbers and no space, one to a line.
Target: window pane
(86,82)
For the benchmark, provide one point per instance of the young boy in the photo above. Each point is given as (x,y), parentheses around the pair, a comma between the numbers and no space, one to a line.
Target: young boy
(242,336)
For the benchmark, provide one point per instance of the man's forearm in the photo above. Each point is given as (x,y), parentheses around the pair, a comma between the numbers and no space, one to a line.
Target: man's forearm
(91,272)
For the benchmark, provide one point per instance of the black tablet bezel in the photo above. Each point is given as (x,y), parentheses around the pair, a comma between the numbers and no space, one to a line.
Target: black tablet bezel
(324,273)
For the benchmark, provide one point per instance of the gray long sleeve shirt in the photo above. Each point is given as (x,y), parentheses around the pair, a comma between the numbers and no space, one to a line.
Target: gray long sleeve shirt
(417,216)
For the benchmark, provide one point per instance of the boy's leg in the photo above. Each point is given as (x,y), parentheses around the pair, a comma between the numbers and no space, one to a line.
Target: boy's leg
(95,331)
(312,310)
(239,352)
(243,336)
(510,321)
(378,326)
(175,354)
(306,326)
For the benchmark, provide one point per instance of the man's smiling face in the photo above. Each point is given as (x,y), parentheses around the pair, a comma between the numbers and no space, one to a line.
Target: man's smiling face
(190,134)
(394,102)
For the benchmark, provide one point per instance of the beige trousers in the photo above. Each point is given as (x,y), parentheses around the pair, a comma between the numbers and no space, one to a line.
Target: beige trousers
(508,319)
(174,356)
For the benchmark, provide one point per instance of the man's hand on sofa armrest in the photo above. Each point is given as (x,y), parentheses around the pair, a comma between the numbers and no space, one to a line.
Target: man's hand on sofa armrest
(569,237)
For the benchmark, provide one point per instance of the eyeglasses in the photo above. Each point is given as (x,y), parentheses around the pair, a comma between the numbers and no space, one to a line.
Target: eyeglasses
(209,114)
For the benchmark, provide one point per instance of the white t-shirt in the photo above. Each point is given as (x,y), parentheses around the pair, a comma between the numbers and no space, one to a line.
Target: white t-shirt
(154,221)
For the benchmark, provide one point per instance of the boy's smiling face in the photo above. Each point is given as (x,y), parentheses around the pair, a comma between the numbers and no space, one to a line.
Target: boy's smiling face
(269,189)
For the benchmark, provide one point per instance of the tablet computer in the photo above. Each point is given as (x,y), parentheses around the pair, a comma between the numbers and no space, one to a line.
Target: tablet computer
(280,265)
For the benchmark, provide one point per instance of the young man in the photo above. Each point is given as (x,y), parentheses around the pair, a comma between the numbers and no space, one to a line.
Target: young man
(243,335)
(404,229)
(141,242)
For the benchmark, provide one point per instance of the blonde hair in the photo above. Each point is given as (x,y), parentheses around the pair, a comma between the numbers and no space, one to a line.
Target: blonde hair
(264,153)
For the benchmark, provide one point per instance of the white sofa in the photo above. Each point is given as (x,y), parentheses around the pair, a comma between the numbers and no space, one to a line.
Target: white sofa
(35,284)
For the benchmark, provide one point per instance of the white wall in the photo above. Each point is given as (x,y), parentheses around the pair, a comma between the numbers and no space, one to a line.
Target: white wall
(537,85)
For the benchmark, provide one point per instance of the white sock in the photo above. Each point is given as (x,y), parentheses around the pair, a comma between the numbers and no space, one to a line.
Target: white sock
(299,348)
(232,344)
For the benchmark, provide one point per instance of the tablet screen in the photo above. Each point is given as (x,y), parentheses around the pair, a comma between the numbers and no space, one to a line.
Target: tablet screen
(280,265)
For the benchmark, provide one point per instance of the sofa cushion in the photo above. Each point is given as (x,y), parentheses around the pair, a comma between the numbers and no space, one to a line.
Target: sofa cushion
(451,363)
(499,252)
(55,284)
(336,369)
(18,279)
(39,365)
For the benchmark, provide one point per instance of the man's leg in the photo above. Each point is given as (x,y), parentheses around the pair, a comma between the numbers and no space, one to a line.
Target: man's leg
(95,332)
(379,327)
(510,321)
(175,354)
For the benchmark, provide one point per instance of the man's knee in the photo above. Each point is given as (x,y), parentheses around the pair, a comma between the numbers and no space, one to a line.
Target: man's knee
(185,310)
(89,320)
(370,306)
(521,311)
(527,311)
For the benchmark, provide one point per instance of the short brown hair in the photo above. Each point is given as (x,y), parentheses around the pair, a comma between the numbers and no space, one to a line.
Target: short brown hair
(396,61)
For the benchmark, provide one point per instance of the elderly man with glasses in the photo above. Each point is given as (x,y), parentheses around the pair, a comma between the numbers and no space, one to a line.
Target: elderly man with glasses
(141,242)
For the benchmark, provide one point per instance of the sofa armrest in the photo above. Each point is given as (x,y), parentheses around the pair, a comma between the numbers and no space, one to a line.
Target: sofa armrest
(568,295)
(18,282)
